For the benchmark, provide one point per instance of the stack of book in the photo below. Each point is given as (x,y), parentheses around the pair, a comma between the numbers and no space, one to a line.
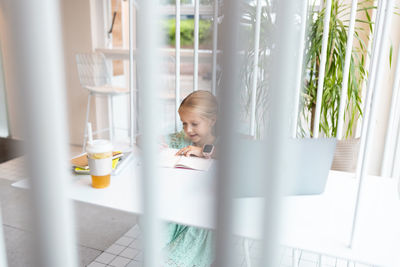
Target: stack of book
(80,164)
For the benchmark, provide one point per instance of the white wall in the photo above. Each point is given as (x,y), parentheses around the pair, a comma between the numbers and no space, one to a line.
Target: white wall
(77,38)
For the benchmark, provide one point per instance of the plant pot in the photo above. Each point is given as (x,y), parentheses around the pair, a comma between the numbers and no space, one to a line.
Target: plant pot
(346,154)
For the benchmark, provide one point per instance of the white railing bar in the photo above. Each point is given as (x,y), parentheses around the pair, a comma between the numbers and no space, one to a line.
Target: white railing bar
(388,152)
(196,46)
(349,49)
(246,247)
(106,22)
(320,260)
(148,66)
(214,48)
(371,79)
(321,76)
(396,156)
(395,168)
(132,90)
(3,254)
(375,98)
(110,117)
(299,74)
(44,117)
(396,161)
(295,257)
(368,61)
(177,61)
(255,70)
(228,146)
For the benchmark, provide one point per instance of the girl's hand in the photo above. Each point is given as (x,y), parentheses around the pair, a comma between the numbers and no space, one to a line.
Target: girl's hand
(190,151)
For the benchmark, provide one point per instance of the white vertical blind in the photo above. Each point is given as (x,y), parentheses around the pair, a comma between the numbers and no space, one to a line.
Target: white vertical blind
(349,48)
(322,66)
(228,145)
(177,60)
(131,74)
(196,46)
(3,255)
(387,17)
(215,47)
(281,93)
(148,64)
(303,29)
(393,124)
(255,69)
(42,100)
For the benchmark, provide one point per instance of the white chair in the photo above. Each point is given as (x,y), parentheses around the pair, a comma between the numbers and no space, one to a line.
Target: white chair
(95,76)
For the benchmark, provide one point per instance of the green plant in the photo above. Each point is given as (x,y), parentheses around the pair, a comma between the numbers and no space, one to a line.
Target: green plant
(338,29)
(187,31)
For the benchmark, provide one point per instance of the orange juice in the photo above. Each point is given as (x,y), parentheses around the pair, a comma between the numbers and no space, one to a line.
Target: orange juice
(99,154)
(101,181)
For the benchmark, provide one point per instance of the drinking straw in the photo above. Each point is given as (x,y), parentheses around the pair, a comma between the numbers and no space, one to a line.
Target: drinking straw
(90,133)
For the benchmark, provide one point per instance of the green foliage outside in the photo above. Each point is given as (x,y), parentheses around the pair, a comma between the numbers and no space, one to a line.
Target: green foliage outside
(187,32)
(337,42)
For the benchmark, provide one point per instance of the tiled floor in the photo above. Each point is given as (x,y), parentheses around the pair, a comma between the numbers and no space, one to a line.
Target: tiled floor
(127,252)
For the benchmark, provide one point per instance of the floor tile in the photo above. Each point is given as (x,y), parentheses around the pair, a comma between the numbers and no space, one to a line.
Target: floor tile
(139,256)
(18,247)
(124,241)
(135,264)
(134,232)
(105,258)
(87,255)
(129,253)
(305,263)
(137,244)
(119,262)
(115,249)
(308,256)
(96,264)
(99,227)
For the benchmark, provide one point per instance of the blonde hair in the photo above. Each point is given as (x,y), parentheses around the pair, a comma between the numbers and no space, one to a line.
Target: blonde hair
(201,102)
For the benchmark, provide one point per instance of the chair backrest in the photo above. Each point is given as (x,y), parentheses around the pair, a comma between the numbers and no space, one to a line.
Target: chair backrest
(93,69)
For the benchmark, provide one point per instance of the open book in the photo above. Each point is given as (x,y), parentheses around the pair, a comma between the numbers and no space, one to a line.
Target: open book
(169,160)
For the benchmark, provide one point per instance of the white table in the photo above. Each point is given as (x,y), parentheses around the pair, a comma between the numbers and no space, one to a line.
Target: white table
(320,223)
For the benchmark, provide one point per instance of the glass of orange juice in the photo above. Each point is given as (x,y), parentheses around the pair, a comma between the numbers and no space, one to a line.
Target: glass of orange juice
(99,154)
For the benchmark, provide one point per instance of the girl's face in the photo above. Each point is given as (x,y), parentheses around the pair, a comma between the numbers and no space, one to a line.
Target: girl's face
(196,127)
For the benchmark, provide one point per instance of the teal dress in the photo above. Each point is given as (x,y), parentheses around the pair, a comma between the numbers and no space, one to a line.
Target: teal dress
(186,246)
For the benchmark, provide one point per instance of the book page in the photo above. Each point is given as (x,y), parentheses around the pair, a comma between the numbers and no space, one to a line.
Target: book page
(169,160)
(195,163)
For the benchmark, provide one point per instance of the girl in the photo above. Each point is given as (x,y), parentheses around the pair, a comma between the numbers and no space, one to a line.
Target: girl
(188,246)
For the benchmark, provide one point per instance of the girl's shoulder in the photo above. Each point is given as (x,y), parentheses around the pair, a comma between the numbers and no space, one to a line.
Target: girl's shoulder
(177,140)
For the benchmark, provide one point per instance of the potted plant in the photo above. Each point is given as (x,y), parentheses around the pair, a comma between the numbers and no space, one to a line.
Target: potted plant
(337,41)
(347,149)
